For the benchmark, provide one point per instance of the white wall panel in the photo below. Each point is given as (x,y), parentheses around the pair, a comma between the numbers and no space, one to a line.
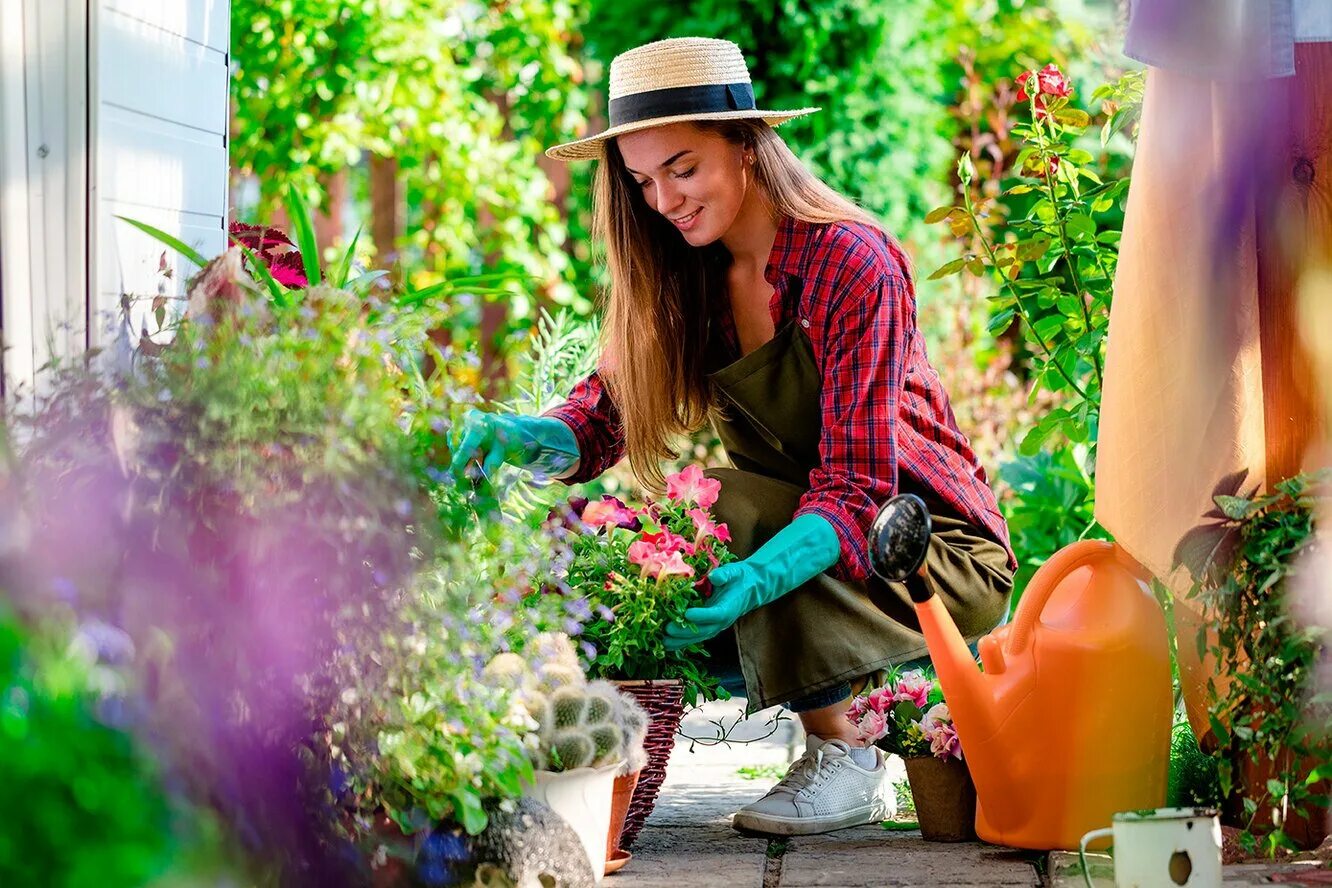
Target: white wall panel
(169,78)
(202,21)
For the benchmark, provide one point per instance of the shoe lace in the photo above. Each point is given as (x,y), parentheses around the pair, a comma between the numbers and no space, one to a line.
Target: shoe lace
(803,771)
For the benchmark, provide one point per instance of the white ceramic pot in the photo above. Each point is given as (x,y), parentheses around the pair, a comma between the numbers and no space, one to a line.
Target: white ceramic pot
(1162,848)
(583,798)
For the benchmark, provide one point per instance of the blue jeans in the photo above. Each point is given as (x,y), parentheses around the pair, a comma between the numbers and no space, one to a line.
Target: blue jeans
(731,678)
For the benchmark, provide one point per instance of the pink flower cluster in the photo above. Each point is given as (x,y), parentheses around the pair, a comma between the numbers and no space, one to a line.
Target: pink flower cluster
(937,726)
(870,713)
(879,715)
(662,555)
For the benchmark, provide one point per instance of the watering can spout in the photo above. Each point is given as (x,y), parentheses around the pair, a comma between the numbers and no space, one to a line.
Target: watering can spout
(899,541)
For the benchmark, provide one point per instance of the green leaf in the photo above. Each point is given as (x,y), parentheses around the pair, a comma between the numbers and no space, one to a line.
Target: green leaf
(1072,117)
(948,268)
(938,214)
(162,237)
(305,237)
(1048,326)
(1236,508)
(1080,226)
(361,283)
(345,266)
(1001,320)
(1276,788)
(1080,155)
(1020,189)
(1031,250)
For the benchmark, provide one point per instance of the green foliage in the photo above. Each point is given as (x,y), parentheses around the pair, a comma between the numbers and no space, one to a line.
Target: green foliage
(1264,713)
(1193,780)
(1050,507)
(85,806)
(1057,272)
(1053,267)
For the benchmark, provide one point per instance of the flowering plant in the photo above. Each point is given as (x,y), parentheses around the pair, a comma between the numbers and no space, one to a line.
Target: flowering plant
(907,716)
(639,569)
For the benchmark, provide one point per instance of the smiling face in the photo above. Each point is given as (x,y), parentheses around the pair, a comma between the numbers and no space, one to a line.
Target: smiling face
(695,178)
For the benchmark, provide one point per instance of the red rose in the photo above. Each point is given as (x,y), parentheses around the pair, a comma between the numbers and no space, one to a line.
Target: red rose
(1053,82)
(1022,85)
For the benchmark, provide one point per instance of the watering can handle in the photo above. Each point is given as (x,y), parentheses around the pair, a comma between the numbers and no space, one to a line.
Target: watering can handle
(1043,583)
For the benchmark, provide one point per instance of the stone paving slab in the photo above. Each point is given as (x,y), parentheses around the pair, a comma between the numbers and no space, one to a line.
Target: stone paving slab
(1066,871)
(872,857)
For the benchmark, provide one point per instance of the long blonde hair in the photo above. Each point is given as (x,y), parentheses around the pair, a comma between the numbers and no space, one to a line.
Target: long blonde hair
(663,290)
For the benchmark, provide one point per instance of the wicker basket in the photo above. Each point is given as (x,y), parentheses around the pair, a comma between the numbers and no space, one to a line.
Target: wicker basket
(664,705)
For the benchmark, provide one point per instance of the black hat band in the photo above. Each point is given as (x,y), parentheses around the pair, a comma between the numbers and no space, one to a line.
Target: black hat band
(680,100)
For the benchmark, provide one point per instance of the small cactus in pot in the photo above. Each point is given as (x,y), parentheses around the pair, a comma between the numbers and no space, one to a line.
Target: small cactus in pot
(579,724)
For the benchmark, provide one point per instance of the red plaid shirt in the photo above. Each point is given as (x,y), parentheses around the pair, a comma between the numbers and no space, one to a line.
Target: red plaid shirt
(884,408)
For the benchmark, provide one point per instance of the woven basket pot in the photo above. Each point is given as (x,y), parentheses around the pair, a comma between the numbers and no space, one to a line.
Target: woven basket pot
(663,702)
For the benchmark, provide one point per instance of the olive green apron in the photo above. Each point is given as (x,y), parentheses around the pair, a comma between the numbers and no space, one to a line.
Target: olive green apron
(767,414)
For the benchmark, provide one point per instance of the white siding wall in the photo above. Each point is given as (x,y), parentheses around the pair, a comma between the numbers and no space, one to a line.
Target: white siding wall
(161,120)
(44,171)
(107,107)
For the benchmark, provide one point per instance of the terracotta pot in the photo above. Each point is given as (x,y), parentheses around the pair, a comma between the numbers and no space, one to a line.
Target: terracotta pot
(945,798)
(620,796)
(663,702)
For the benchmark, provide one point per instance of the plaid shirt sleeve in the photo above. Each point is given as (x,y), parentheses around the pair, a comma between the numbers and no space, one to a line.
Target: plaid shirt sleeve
(595,421)
(864,348)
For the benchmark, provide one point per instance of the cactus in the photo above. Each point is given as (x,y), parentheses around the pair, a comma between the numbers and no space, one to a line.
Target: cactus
(579,724)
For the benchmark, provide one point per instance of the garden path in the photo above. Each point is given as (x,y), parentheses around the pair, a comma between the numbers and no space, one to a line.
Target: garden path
(688,842)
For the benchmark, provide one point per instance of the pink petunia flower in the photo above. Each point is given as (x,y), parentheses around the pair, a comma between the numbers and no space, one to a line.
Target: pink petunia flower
(880,700)
(937,726)
(913,686)
(610,512)
(661,565)
(872,726)
(706,527)
(689,486)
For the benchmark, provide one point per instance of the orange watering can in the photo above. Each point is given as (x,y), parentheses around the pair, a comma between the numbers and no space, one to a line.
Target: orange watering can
(1069,722)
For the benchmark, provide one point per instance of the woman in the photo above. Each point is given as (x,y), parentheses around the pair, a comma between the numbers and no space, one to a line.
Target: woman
(746,292)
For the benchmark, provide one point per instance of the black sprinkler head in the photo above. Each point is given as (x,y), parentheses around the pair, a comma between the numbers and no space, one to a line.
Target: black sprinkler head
(899,538)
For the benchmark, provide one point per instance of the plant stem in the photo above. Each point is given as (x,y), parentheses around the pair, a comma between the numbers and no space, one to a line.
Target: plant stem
(1069,258)
(1017,299)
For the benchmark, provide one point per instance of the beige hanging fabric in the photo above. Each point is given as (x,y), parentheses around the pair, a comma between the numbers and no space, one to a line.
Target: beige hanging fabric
(1208,388)
(1182,406)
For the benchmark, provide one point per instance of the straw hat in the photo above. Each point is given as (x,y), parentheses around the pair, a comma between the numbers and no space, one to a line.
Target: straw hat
(683,78)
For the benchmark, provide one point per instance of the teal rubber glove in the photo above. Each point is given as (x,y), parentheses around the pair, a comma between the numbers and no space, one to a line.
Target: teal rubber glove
(798,552)
(535,443)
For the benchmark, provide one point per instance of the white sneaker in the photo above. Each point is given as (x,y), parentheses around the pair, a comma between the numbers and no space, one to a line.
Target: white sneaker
(824,790)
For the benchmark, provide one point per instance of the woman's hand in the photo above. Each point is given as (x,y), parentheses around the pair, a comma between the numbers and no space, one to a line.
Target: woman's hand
(798,552)
(535,443)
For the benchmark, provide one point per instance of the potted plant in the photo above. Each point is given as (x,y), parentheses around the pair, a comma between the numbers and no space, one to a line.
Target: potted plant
(639,569)
(1259,696)
(909,717)
(582,736)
